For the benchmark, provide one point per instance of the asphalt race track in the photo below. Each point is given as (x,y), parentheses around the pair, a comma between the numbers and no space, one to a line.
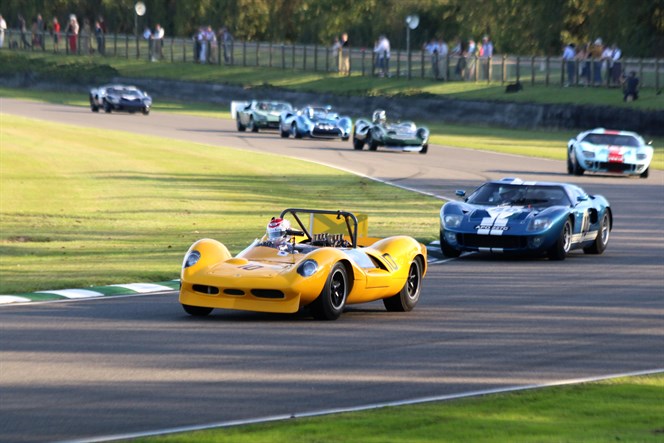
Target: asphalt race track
(90,368)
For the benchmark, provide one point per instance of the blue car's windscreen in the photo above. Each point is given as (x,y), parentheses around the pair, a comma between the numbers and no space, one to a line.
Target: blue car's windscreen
(497,194)
(611,139)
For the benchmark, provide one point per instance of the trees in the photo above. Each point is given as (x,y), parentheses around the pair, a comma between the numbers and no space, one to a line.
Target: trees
(515,26)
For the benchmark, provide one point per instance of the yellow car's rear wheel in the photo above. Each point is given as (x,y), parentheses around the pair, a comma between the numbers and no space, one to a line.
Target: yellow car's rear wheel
(330,303)
(409,295)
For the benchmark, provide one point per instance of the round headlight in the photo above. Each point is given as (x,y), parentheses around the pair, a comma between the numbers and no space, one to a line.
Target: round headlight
(192,259)
(452,220)
(307,268)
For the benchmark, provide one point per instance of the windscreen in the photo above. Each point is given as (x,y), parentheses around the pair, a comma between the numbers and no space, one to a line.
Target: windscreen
(497,194)
(611,139)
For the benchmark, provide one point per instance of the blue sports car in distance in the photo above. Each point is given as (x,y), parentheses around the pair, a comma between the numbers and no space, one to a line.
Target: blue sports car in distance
(513,216)
(316,122)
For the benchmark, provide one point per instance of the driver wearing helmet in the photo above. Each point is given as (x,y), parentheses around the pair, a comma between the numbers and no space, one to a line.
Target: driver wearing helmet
(379,117)
(277,234)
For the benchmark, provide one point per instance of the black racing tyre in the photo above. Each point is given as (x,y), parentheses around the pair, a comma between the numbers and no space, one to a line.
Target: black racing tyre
(562,246)
(107,107)
(252,125)
(240,126)
(344,139)
(425,149)
(446,248)
(196,311)
(373,144)
(645,173)
(570,165)
(93,105)
(576,168)
(294,132)
(146,111)
(284,134)
(358,145)
(409,295)
(602,240)
(330,303)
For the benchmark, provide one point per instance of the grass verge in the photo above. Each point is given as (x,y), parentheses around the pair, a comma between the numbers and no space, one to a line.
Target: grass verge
(625,410)
(85,68)
(78,209)
(534,143)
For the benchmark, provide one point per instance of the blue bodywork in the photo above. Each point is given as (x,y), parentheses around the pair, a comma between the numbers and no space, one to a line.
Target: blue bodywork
(513,216)
(317,122)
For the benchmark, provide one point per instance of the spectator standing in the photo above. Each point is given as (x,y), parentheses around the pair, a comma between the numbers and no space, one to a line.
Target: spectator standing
(616,69)
(147,36)
(23,30)
(583,57)
(431,49)
(569,56)
(85,40)
(203,45)
(471,55)
(101,38)
(596,51)
(336,47)
(487,54)
(345,54)
(443,52)
(72,33)
(102,25)
(382,51)
(56,34)
(226,40)
(41,27)
(157,43)
(3,28)
(211,41)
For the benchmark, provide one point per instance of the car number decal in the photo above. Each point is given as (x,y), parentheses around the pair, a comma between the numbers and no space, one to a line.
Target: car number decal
(250,267)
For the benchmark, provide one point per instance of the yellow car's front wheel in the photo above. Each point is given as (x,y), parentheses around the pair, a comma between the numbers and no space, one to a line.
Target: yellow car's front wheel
(330,303)
(196,311)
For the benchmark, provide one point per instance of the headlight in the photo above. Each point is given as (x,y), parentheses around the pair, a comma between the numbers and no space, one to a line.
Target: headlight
(539,223)
(589,154)
(641,156)
(307,268)
(452,220)
(261,117)
(191,259)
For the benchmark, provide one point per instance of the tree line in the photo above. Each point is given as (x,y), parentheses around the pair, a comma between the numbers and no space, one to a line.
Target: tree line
(535,27)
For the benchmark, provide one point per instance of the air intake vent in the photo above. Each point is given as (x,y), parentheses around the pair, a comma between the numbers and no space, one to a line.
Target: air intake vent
(210,290)
(267,293)
(234,291)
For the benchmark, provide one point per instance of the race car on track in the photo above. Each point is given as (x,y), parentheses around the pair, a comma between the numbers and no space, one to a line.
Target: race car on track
(400,136)
(120,98)
(316,122)
(603,150)
(513,216)
(321,263)
(256,114)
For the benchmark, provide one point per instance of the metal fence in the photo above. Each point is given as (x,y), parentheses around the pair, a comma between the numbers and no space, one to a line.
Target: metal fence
(501,69)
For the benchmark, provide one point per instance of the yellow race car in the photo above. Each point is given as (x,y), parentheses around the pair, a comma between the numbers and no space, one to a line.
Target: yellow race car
(321,262)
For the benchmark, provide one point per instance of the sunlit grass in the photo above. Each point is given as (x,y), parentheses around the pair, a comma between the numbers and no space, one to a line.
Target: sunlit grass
(80,209)
(625,410)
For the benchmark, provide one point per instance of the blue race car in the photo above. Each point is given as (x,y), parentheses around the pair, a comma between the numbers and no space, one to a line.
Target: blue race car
(315,122)
(534,218)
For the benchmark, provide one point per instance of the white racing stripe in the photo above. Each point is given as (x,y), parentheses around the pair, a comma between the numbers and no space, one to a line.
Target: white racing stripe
(143,288)
(73,293)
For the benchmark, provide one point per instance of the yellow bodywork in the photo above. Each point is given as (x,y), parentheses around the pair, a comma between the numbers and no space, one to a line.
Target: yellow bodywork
(264,279)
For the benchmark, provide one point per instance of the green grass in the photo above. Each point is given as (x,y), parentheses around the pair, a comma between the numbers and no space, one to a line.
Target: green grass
(619,410)
(535,143)
(80,209)
(252,77)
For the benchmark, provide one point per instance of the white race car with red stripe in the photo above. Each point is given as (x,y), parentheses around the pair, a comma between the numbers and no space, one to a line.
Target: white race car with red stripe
(604,150)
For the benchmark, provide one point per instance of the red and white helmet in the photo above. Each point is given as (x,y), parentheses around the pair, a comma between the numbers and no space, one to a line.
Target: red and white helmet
(277,228)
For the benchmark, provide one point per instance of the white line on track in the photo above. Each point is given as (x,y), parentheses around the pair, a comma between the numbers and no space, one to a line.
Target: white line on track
(283,417)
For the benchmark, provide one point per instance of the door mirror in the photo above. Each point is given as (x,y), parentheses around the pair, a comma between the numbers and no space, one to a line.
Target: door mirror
(460,193)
